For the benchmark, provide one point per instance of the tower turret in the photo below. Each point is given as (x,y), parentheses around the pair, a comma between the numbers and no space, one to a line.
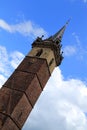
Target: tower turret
(21,91)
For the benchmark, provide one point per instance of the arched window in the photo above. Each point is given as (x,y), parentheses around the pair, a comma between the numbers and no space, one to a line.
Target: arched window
(39,52)
(50,63)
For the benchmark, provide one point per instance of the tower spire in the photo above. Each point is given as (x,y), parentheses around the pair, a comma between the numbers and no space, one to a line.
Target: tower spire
(20,92)
(58,36)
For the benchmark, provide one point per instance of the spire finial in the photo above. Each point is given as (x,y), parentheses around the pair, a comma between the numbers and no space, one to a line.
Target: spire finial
(68,21)
(58,36)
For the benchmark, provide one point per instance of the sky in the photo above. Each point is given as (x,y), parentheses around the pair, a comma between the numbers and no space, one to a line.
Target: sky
(63,103)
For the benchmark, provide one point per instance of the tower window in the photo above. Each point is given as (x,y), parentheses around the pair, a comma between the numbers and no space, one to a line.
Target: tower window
(39,52)
(50,63)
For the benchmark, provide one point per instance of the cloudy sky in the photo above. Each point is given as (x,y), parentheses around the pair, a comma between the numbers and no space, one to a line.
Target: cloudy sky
(63,103)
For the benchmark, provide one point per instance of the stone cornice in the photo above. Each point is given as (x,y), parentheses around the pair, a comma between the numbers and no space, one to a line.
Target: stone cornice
(56,47)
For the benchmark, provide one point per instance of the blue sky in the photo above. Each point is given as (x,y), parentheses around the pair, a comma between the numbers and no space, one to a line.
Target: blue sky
(20,23)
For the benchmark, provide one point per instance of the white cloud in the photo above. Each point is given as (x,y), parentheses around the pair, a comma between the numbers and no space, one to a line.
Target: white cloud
(81,51)
(2,80)
(74,49)
(16,58)
(77,49)
(8,62)
(26,28)
(69,50)
(5,26)
(77,38)
(85,1)
(62,105)
(4,64)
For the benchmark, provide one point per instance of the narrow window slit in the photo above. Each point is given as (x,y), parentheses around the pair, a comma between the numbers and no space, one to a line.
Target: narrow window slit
(50,63)
(39,52)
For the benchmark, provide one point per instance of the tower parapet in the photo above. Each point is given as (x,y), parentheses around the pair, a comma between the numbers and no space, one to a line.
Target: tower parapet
(55,46)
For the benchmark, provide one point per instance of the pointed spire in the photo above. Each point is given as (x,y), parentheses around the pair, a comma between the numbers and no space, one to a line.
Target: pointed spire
(58,36)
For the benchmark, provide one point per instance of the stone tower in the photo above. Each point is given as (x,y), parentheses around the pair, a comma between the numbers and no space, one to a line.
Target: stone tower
(21,91)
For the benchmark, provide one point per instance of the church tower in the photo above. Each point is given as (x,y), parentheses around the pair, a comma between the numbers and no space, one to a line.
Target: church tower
(20,92)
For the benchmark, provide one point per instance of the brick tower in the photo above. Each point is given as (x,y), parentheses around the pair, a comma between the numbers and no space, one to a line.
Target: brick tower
(21,91)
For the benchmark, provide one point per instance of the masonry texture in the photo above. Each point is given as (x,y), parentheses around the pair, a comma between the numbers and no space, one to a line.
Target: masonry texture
(20,92)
